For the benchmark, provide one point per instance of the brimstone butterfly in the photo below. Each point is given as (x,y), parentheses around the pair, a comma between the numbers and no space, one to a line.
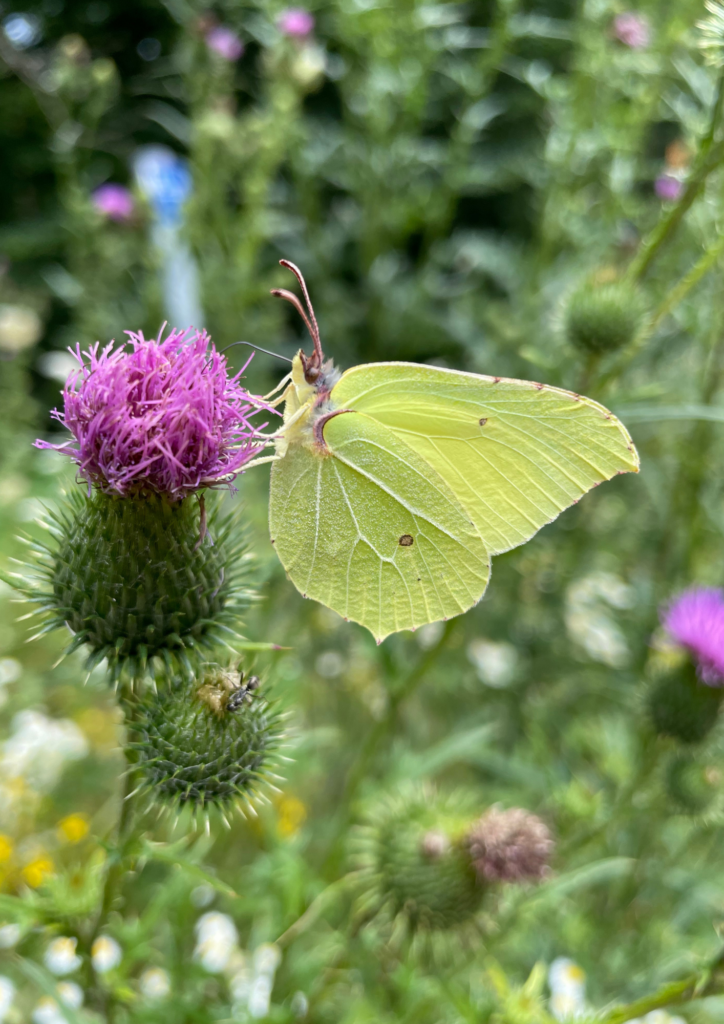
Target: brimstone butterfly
(393,484)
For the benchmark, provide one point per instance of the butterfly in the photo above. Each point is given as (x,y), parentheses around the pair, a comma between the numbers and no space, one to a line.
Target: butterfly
(393,484)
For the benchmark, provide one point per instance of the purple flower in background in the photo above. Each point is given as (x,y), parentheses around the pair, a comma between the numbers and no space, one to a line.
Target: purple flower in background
(696,621)
(295,21)
(667,187)
(115,201)
(164,416)
(632,30)
(225,42)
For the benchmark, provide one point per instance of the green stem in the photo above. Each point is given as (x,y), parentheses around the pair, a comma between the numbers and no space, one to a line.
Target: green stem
(409,684)
(672,300)
(710,156)
(314,910)
(696,986)
(377,734)
(116,870)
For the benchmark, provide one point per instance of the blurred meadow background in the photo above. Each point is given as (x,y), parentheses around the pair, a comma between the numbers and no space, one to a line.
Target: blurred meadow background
(524,188)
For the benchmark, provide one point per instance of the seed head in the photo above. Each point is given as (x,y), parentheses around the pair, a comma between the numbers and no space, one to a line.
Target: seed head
(510,846)
(163,416)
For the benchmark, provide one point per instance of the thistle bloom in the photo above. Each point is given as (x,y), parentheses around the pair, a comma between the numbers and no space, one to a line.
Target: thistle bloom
(115,201)
(667,187)
(632,30)
(295,21)
(225,42)
(510,846)
(163,417)
(696,621)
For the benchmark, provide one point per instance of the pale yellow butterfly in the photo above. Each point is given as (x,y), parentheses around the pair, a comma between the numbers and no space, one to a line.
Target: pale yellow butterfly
(393,484)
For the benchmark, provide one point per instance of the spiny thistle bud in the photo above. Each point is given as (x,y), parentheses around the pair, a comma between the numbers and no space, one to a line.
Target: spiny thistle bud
(414,864)
(164,417)
(510,846)
(203,743)
(691,784)
(682,707)
(139,578)
(603,316)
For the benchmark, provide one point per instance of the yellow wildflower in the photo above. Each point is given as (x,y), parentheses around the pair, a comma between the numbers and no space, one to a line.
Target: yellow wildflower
(6,848)
(292,814)
(73,828)
(36,871)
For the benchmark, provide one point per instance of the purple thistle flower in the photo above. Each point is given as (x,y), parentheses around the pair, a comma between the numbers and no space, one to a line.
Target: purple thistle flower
(164,416)
(225,42)
(115,201)
(667,187)
(295,21)
(632,30)
(696,621)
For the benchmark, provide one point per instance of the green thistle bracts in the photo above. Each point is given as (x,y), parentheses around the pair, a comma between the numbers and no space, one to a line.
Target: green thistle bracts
(680,705)
(135,581)
(603,317)
(193,747)
(414,864)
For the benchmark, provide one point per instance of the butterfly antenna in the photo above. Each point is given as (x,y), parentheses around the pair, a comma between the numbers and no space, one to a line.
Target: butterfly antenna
(311,320)
(258,348)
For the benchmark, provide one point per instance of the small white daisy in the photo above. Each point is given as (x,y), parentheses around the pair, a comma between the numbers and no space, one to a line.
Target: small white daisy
(60,956)
(105,954)
(155,983)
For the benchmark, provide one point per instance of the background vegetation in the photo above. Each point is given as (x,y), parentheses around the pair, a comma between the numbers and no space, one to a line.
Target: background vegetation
(448,176)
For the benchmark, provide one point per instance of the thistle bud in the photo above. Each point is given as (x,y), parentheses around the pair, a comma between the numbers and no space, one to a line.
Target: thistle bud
(680,705)
(196,744)
(510,846)
(604,316)
(414,864)
(139,578)
(691,784)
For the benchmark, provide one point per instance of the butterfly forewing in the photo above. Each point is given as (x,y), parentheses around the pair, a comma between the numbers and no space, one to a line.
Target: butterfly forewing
(514,453)
(372,531)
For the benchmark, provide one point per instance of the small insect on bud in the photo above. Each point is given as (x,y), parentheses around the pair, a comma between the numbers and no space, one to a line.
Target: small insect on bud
(510,846)
(602,317)
(197,745)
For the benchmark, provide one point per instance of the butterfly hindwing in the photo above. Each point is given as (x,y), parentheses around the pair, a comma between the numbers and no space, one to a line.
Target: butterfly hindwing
(514,453)
(370,530)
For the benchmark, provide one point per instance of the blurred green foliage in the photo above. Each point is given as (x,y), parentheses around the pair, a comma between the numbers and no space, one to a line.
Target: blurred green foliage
(446,175)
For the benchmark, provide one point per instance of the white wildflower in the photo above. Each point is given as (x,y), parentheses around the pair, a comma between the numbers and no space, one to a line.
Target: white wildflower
(216,941)
(494,662)
(39,748)
(155,983)
(267,958)
(60,956)
(9,935)
(567,982)
(589,622)
(260,996)
(427,636)
(105,954)
(7,994)
(70,994)
(47,1011)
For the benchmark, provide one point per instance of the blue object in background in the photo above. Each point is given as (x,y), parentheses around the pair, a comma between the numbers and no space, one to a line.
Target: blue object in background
(165,180)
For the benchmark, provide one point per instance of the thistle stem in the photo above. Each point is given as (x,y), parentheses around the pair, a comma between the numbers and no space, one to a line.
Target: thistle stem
(710,156)
(410,681)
